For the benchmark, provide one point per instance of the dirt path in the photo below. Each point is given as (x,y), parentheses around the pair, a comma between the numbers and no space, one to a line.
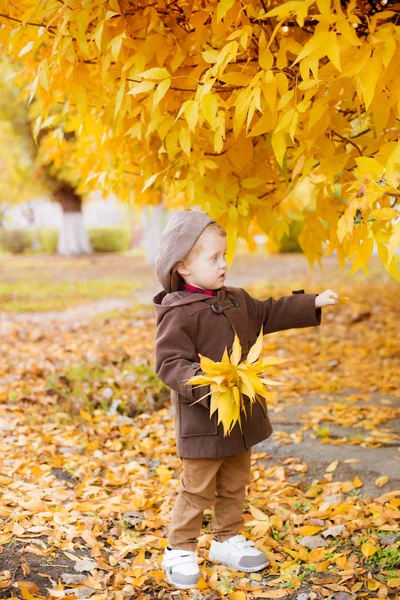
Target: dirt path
(80,313)
(369,462)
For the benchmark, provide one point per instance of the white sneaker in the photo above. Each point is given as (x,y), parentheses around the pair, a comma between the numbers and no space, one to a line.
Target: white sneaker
(239,553)
(181,568)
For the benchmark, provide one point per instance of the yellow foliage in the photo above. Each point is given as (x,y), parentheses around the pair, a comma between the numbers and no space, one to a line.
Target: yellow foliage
(340,299)
(197,101)
(230,380)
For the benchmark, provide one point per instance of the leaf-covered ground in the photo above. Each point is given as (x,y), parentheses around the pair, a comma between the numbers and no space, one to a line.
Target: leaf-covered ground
(88,465)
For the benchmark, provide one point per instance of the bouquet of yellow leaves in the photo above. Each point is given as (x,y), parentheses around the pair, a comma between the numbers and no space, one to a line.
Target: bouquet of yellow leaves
(230,379)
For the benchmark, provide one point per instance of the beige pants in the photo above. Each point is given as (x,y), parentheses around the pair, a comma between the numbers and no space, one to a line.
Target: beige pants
(217,482)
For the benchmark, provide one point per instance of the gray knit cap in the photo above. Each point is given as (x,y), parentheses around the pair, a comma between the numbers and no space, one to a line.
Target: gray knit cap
(176,241)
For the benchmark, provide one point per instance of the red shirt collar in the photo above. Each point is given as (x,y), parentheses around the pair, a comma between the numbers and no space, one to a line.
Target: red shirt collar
(193,288)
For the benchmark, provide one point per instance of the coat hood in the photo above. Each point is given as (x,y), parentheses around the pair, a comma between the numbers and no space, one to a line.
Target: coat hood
(164,301)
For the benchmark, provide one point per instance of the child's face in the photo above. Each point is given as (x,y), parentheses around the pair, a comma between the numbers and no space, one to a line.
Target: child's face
(206,269)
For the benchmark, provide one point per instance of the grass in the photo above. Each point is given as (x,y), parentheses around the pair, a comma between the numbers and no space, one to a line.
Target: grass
(46,283)
(385,559)
(22,296)
(93,386)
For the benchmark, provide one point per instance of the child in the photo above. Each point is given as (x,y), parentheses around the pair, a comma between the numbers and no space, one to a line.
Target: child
(197,314)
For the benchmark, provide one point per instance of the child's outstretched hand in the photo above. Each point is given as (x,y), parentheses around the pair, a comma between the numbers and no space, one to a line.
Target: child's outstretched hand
(328,297)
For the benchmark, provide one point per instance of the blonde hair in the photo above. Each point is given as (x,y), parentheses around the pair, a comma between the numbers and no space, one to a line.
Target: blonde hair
(199,245)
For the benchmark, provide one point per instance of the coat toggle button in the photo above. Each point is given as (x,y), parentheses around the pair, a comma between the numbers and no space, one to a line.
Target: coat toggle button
(217,308)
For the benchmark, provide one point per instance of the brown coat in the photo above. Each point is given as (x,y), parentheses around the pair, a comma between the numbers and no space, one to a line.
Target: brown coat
(188,325)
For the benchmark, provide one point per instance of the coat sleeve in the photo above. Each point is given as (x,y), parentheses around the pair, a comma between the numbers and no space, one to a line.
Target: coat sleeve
(286,312)
(177,359)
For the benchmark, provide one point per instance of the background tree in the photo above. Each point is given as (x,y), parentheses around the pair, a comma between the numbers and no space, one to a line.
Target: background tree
(18,182)
(73,238)
(229,106)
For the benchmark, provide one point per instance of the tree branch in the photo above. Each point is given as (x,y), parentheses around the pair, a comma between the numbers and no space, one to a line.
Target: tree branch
(230,89)
(353,137)
(348,141)
(267,193)
(49,27)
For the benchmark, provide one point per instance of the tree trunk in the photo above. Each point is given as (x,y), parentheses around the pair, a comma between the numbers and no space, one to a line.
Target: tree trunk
(73,239)
(153,218)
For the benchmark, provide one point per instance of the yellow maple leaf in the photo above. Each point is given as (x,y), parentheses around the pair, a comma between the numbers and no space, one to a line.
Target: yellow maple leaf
(230,380)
